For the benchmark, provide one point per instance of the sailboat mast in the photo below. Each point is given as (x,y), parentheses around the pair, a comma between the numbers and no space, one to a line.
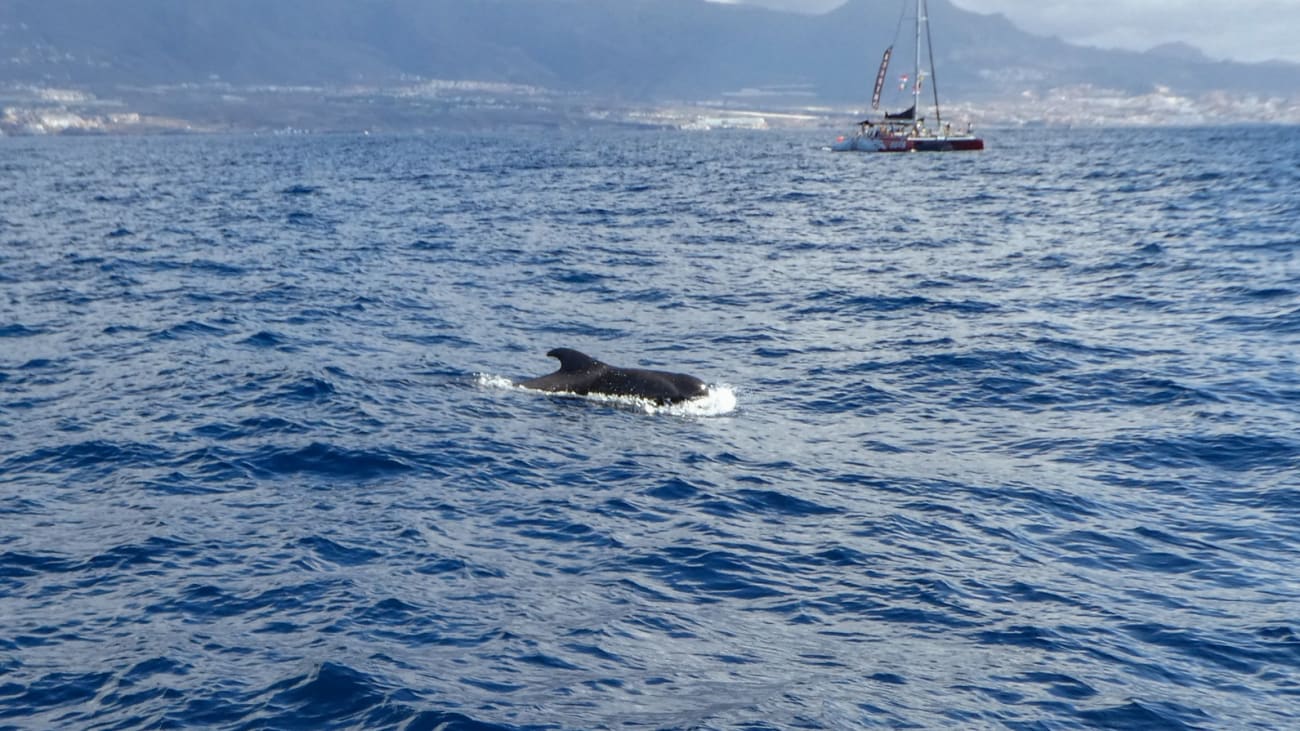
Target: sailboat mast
(916,65)
(934,80)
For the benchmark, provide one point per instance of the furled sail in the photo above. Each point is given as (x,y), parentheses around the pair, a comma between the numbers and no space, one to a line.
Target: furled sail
(880,78)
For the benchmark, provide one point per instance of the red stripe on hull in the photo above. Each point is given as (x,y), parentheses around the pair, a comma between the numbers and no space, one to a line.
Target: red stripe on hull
(945,145)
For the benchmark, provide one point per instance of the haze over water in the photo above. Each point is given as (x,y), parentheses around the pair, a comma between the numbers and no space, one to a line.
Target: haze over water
(1013,441)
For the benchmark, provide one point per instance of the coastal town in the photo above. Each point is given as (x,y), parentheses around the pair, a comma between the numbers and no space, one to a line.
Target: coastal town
(441,104)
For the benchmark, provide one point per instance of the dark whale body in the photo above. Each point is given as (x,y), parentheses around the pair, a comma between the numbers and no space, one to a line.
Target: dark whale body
(581,374)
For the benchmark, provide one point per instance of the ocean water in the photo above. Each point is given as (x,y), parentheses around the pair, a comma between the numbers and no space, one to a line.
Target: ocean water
(1003,440)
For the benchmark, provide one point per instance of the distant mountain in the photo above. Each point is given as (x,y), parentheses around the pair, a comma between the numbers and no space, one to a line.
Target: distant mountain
(1180,52)
(628,49)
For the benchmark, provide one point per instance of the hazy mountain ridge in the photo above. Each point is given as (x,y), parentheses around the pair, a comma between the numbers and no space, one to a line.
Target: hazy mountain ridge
(635,48)
(642,51)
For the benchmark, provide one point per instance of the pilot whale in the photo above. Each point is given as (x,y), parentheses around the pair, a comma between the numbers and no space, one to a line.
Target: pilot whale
(583,375)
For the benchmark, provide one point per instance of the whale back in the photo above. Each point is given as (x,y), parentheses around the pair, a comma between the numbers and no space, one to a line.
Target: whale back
(661,387)
(581,374)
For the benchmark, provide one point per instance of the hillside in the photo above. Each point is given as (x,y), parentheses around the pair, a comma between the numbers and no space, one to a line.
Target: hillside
(640,49)
(622,51)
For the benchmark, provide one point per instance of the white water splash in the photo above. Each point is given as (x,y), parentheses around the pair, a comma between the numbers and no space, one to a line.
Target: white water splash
(487,380)
(720,399)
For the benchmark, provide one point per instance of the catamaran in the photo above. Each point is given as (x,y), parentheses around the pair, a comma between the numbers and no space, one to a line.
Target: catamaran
(908,131)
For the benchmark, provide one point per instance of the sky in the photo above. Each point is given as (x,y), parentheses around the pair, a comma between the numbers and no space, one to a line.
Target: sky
(1240,30)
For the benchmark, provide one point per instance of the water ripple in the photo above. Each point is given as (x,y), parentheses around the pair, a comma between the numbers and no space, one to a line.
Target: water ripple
(1014,448)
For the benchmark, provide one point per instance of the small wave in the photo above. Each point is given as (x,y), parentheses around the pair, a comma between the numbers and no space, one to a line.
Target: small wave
(1230,452)
(1287,323)
(720,399)
(436,245)
(334,694)
(780,503)
(692,570)
(1260,293)
(251,426)
(96,456)
(189,328)
(221,269)
(269,340)
(326,459)
(308,389)
(1144,714)
(338,553)
(19,330)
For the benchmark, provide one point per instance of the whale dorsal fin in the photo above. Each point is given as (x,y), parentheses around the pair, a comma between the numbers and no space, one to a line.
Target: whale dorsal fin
(572,361)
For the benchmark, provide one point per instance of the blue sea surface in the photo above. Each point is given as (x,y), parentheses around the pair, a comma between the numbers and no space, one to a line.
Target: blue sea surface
(1009,440)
